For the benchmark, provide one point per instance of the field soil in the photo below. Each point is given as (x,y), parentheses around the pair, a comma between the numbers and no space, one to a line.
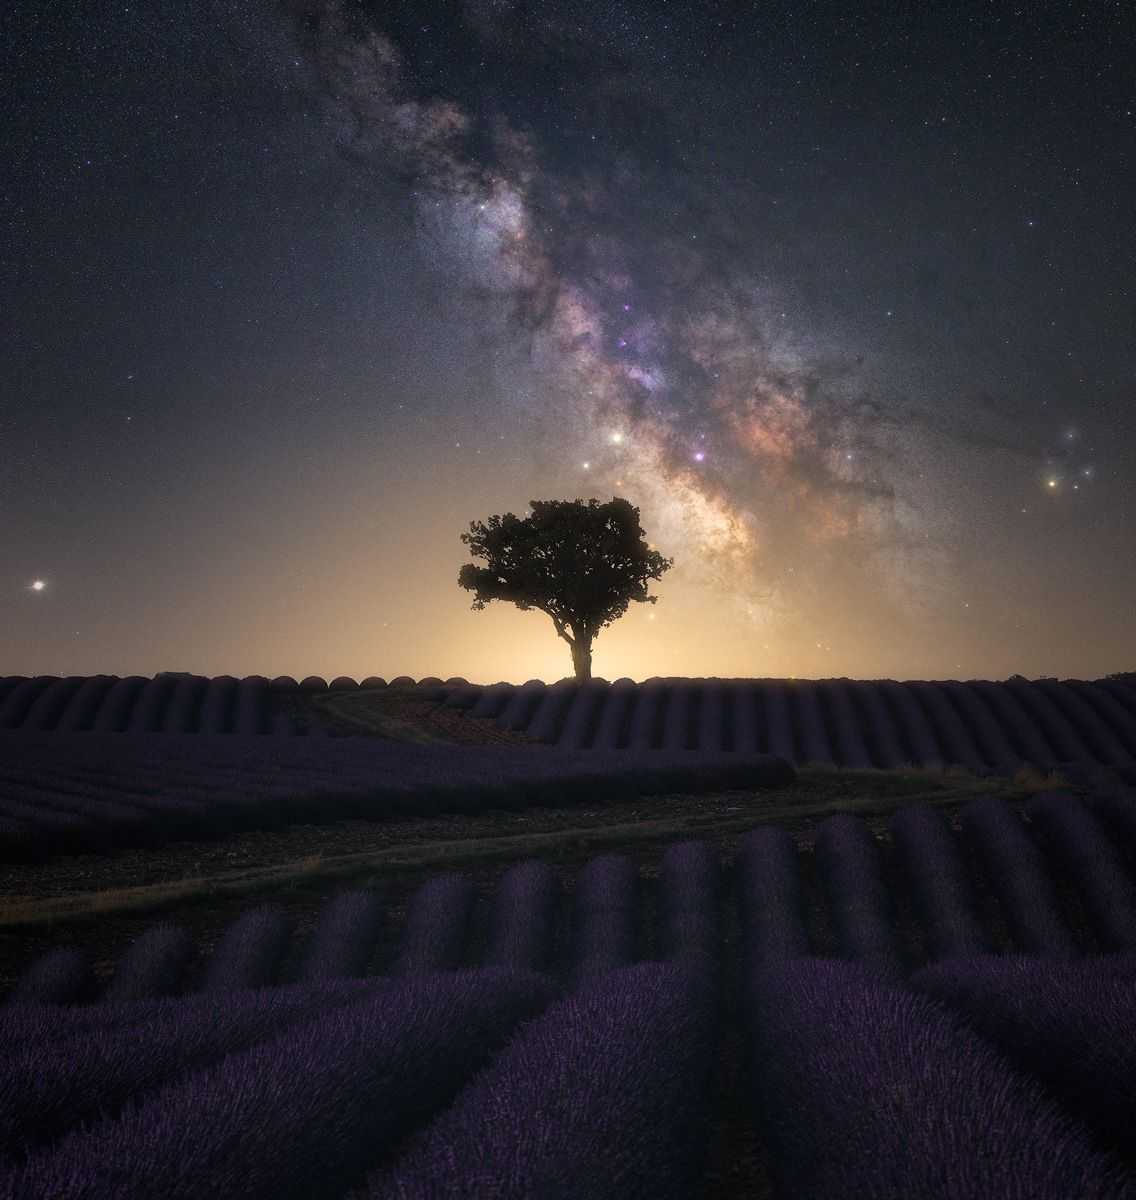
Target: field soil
(102,903)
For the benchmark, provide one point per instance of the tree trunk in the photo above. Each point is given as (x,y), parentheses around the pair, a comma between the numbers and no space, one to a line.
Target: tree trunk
(582,658)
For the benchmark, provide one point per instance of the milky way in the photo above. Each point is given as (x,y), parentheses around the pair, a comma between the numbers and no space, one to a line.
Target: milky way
(753,448)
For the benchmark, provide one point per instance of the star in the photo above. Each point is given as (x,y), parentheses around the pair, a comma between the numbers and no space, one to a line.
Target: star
(37,585)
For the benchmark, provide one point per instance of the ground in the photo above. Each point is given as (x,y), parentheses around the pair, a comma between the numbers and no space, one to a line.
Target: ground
(103,902)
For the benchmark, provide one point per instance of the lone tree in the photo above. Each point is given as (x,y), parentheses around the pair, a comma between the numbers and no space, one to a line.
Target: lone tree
(580,563)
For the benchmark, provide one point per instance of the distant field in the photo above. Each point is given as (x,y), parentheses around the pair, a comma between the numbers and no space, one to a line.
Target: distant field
(982,726)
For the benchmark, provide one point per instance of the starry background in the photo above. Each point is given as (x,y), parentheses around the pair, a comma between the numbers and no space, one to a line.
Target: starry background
(840,295)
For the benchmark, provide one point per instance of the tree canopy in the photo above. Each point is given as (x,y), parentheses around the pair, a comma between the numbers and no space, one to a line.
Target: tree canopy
(581,563)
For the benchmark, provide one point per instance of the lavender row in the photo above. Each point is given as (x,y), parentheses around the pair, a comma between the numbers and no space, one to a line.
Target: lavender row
(983,726)
(305,1114)
(156,964)
(49,1086)
(689,904)
(61,976)
(606,914)
(523,920)
(863,1088)
(1016,871)
(437,918)
(100,795)
(1068,1024)
(770,898)
(1117,813)
(33,1021)
(345,938)
(606,1095)
(1081,848)
(936,876)
(849,865)
(979,724)
(168,703)
(250,951)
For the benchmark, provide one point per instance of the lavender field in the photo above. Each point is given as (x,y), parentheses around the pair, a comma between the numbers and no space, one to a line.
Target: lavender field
(980,725)
(69,792)
(550,1043)
(595,1030)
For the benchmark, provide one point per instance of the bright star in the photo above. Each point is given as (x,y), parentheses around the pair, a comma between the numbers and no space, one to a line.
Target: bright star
(699,456)
(617,438)
(587,466)
(38,585)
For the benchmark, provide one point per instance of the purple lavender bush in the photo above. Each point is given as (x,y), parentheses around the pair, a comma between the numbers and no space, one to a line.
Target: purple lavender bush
(953,735)
(605,911)
(345,937)
(61,976)
(437,920)
(1018,875)
(676,720)
(770,900)
(583,714)
(1075,839)
(646,711)
(863,1088)
(778,723)
(523,920)
(155,965)
(804,704)
(49,1085)
(911,723)
(304,1115)
(84,703)
(848,861)
(110,823)
(1093,732)
(688,903)
(937,878)
(249,952)
(879,726)
(1042,712)
(605,1095)
(983,727)
(1117,813)
(850,741)
(1068,1023)
(1020,727)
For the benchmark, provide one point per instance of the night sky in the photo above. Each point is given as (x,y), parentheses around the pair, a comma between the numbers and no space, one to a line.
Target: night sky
(840,295)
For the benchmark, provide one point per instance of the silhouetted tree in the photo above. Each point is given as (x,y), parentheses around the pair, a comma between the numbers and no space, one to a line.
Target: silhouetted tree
(580,563)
